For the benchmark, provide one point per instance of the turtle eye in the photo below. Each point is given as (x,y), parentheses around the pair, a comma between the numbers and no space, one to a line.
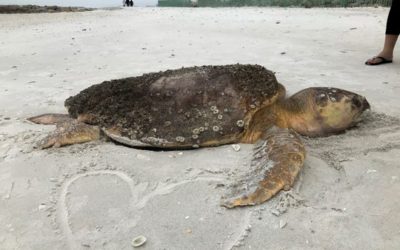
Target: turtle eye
(357,102)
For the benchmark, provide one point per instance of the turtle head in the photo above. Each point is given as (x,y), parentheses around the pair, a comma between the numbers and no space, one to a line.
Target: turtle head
(325,111)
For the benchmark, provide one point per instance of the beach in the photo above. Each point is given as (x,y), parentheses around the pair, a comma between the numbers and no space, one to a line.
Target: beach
(101,195)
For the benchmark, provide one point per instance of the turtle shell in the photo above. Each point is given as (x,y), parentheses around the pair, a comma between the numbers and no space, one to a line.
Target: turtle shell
(187,107)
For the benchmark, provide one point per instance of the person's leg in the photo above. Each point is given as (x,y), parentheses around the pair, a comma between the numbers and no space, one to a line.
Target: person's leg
(392,34)
(387,51)
(393,22)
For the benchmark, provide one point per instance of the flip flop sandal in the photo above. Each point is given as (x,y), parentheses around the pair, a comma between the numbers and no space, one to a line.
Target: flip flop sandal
(382,61)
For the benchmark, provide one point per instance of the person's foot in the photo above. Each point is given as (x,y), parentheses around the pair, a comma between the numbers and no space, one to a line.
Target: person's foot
(379,59)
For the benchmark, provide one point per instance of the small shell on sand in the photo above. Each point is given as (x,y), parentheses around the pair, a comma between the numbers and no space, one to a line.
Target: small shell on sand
(138,241)
(236,147)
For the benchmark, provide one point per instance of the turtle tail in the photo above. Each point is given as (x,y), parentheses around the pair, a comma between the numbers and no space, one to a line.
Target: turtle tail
(276,161)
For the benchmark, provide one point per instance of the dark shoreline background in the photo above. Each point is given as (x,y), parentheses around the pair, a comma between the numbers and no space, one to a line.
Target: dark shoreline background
(280,3)
(13,9)
(32,8)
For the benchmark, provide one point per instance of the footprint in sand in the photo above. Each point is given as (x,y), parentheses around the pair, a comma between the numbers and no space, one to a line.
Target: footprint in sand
(4,120)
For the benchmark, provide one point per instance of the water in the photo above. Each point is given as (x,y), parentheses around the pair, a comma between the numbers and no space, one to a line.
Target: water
(81,3)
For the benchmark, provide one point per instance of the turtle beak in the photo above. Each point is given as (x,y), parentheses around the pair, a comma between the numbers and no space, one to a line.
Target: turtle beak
(360,103)
(365,104)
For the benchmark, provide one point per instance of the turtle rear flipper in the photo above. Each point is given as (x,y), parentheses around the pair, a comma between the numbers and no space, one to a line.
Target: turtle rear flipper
(276,162)
(68,133)
(50,119)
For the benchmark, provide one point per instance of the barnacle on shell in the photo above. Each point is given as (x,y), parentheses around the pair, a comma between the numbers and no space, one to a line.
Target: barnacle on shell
(240,123)
(180,139)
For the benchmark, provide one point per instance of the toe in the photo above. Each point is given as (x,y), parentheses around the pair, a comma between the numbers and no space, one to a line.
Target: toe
(373,61)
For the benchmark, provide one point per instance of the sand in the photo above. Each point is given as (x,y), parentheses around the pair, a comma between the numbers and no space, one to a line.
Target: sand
(101,195)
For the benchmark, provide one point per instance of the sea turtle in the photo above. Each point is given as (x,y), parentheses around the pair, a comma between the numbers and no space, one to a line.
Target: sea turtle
(209,106)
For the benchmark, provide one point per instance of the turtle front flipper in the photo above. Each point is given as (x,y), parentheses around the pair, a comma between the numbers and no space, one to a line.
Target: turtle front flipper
(276,162)
(68,133)
(50,119)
